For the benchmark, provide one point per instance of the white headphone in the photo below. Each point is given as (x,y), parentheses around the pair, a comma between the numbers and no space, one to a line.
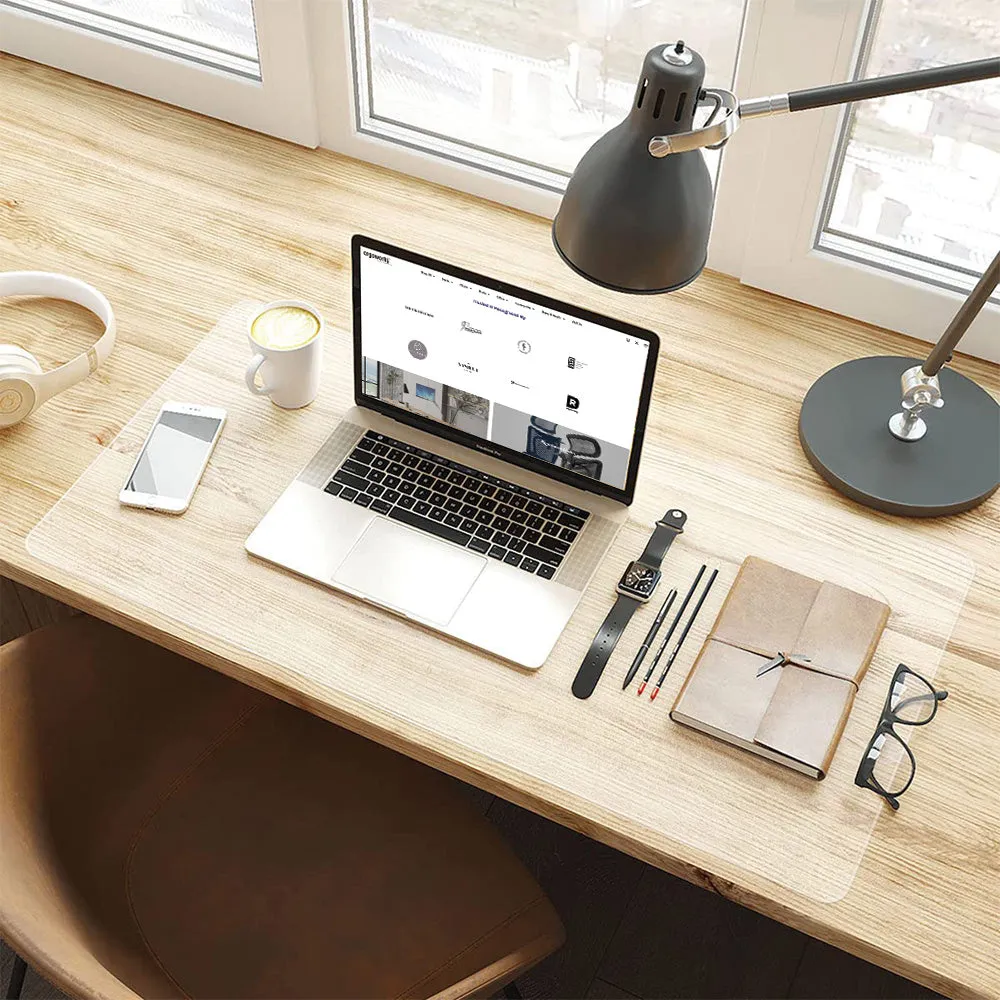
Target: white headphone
(23,384)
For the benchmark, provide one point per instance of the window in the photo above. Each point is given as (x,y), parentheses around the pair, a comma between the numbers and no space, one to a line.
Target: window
(371,377)
(918,175)
(216,33)
(890,210)
(887,211)
(519,87)
(245,61)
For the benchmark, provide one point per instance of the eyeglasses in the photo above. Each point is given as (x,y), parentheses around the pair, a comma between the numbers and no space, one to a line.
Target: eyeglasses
(911,701)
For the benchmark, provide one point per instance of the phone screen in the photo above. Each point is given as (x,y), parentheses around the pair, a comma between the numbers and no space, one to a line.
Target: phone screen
(172,459)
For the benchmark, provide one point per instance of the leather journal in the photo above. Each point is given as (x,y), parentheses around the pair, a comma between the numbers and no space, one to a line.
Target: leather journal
(778,673)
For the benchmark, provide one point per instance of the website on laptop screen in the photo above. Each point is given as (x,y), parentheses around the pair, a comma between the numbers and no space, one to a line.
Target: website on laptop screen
(544,383)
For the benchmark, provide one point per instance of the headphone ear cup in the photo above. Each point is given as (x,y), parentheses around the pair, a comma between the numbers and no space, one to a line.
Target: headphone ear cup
(14,359)
(18,371)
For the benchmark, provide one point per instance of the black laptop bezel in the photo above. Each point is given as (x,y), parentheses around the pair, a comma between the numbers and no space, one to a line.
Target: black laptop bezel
(623,495)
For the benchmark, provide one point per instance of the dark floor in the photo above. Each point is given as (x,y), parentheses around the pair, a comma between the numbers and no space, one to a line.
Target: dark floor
(634,931)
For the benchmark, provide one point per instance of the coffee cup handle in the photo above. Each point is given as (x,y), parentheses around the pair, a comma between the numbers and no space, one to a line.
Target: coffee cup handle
(255,362)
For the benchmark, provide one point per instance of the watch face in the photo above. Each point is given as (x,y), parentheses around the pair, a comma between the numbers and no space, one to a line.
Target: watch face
(639,580)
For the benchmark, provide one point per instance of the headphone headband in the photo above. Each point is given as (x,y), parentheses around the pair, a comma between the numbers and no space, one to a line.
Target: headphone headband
(15,363)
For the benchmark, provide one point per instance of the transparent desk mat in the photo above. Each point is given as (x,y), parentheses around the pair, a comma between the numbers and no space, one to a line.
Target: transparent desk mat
(651,780)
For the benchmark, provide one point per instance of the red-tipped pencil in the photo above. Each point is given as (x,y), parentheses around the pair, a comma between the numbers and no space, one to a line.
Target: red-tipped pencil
(684,634)
(671,630)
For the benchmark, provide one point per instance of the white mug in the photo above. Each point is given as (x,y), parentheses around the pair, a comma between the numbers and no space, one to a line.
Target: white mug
(290,374)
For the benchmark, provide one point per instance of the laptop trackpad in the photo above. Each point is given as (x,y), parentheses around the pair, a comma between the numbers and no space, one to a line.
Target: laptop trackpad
(409,571)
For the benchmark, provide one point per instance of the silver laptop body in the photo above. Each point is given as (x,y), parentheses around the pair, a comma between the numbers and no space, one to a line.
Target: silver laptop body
(513,602)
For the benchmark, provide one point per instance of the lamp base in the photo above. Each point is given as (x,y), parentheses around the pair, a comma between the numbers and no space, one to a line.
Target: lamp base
(843,429)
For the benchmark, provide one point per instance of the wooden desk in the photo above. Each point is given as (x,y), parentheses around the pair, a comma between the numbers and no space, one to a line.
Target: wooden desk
(175,217)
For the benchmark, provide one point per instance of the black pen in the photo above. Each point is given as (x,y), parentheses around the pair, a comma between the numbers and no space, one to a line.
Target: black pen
(670,631)
(680,641)
(650,636)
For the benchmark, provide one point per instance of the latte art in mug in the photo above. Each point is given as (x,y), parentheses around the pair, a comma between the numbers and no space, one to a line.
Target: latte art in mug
(284,328)
(286,341)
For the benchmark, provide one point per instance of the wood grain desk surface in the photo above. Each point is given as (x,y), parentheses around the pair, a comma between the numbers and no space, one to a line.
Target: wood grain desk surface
(175,217)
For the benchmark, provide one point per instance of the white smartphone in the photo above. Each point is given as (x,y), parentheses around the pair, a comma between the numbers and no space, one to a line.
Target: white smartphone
(173,457)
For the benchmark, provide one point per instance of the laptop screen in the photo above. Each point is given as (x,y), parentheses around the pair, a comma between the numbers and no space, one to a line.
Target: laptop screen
(517,375)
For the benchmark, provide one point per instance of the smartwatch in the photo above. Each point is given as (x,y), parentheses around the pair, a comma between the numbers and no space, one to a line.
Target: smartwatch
(636,587)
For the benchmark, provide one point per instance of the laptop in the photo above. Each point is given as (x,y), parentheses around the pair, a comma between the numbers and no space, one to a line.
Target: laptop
(487,464)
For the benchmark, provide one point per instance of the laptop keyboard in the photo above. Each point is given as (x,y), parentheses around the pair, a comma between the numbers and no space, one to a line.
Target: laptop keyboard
(462,505)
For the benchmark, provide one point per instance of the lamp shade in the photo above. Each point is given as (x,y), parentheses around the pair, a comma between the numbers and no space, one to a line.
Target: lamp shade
(628,220)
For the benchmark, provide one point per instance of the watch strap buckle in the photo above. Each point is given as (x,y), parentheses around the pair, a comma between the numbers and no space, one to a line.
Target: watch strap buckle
(674,518)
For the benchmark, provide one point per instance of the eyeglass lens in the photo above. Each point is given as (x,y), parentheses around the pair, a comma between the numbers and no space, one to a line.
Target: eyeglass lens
(912,700)
(891,765)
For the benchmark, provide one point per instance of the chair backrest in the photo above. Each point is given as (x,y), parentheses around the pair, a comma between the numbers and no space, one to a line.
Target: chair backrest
(42,921)
(583,444)
(543,425)
(70,801)
(542,445)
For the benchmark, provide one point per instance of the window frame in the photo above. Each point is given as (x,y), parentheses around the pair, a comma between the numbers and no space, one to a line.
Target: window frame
(331,29)
(771,190)
(798,158)
(330,33)
(280,103)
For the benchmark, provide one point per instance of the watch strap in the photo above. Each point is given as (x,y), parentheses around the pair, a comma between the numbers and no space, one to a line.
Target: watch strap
(667,529)
(603,645)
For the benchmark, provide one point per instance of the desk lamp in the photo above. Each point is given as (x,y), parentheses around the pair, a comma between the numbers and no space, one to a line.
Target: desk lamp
(636,217)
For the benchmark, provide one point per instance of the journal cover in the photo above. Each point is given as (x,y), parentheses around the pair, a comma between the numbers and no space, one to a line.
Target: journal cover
(824,637)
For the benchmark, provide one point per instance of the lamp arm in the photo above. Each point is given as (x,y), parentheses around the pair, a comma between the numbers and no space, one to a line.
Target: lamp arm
(970,308)
(921,389)
(719,131)
(898,83)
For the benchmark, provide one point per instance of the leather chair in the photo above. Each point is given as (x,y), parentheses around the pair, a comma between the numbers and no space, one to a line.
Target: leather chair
(168,832)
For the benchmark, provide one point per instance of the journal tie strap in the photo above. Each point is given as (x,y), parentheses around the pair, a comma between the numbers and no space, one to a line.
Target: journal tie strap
(782,659)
